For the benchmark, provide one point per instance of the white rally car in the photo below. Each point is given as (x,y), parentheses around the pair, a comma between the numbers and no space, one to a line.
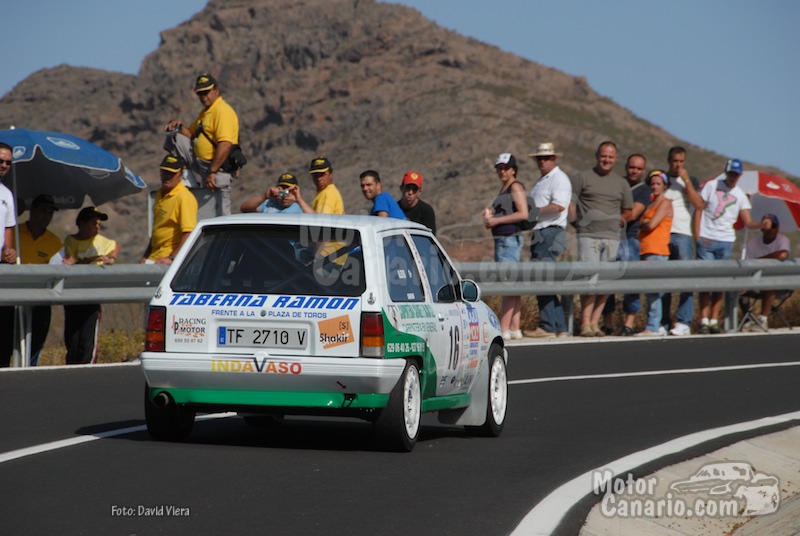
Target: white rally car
(360,316)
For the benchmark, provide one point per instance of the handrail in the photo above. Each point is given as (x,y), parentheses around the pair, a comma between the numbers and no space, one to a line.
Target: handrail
(28,285)
(57,284)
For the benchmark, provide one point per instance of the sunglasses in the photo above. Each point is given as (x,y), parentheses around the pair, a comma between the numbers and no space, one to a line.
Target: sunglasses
(502,167)
(543,158)
(6,162)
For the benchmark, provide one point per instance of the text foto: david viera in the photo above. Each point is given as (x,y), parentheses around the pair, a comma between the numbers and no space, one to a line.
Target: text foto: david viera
(162,510)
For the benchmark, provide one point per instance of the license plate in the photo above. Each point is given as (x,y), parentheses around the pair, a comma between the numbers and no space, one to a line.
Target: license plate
(295,339)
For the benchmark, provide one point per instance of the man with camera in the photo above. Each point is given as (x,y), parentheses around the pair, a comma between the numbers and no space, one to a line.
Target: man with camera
(278,199)
(208,144)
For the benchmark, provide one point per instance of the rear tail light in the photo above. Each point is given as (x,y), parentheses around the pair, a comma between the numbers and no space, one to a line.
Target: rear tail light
(156,327)
(372,339)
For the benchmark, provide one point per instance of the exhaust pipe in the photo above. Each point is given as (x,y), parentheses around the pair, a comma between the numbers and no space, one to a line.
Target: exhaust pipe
(162,400)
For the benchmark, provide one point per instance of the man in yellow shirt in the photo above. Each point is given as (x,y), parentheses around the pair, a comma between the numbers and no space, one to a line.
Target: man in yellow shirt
(37,245)
(82,321)
(205,144)
(174,214)
(328,199)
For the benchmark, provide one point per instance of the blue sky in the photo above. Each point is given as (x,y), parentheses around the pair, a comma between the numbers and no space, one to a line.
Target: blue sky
(721,74)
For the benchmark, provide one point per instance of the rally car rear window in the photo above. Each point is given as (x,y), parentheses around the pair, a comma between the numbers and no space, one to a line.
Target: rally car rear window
(269,259)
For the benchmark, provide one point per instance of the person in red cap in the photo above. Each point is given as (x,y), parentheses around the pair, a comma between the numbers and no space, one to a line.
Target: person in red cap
(415,208)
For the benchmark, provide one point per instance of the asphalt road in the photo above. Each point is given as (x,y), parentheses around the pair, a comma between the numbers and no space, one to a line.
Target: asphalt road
(324,477)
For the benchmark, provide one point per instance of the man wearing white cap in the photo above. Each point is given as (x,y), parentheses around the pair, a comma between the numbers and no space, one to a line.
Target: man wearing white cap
(723,203)
(551,194)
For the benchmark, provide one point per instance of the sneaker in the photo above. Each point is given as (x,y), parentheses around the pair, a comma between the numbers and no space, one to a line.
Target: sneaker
(714,329)
(506,335)
(647,333)
(704,330)
(680,330)
(516,334)
(539,333)
(627,332)
(662,331)
(763,321)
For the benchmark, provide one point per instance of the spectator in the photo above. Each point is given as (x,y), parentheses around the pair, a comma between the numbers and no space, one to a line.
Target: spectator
(206,144)
(8,217)
(603,203)
(685,198)
(174,214)
(276,200)
(383,204)
(723,202)
(551,195)
(509,209)
(629,248)
(8,214)
(415,208)
(771,244)
(38,245)
(654,233)
(328,199)
(82,321)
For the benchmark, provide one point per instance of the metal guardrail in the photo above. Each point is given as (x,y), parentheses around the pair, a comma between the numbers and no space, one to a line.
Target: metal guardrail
(27,285)
(512,279)
(33,284)
(57,284)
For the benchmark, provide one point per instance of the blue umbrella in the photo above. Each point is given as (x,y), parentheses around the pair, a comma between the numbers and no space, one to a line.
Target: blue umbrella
(66,167)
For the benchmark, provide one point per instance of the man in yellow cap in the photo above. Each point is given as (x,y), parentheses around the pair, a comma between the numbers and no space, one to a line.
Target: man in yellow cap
(278,199)
(174,214)
(206,144)
(328,199)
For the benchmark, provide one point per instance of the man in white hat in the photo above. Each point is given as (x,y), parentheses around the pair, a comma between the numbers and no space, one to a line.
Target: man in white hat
(551,194)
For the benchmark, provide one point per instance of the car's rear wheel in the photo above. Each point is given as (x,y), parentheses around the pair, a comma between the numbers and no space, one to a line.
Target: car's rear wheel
(397,426)
(167,421)
(497,398)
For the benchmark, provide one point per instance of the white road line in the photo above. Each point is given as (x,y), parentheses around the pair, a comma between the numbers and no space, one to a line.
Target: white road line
(654,373)
(546,516)
(64,443)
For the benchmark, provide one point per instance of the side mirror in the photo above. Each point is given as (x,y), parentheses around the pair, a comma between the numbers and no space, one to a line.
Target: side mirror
(470,290)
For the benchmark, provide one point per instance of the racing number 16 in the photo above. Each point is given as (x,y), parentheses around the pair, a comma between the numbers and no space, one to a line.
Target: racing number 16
(455,347)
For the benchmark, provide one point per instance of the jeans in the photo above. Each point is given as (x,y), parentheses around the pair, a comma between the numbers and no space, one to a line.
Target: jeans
(680,247)
(654,300)
(710,250)
(546,245)
(631,304)
(507,248)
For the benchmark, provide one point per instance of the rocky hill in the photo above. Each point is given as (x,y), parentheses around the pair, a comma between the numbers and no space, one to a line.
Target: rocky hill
(369,85)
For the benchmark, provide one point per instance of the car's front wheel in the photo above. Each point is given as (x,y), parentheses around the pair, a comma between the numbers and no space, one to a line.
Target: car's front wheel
(497,398)
(166,420)
(397,426)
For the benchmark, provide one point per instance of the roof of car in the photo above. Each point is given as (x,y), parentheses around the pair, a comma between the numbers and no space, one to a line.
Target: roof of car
(325,220)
